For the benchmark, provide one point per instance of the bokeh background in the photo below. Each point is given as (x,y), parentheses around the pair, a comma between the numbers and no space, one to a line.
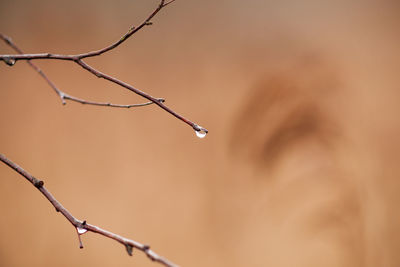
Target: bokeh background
(301,165)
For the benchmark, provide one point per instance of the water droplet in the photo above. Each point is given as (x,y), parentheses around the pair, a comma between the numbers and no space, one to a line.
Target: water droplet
(81,231)
(201,134)
(9,61)
(200,131)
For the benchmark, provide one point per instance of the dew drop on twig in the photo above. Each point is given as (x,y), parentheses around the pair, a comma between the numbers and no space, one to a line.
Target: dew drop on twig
(81,231)
(200,131)
(201,134)
(9,61)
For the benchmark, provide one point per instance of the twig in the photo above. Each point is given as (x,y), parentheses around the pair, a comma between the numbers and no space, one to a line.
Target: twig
(81,226)
(107,104)
(60,93)
(78,59)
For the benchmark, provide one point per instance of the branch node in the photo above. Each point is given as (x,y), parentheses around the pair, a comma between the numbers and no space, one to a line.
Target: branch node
(146,247)
(81,229)
(129,249)
(63,96)
(37,183)
(78,59)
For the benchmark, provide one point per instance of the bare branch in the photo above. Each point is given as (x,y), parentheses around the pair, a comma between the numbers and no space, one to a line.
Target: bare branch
(81,226)
(11,59)
(107,104)
(131,31)
(139,92)
(63,96)
(169,2)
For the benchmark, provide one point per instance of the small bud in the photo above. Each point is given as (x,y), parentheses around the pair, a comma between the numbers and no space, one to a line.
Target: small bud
(37,183)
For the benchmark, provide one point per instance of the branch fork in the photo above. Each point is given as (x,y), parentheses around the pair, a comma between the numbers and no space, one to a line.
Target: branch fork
(78,59)
(82,226)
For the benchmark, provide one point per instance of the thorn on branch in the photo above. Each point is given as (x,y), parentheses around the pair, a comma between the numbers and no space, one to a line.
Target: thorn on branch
(129,249)
(148,23)
(146,247)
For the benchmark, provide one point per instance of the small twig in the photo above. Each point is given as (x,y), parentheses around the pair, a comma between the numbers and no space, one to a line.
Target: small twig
(78,59)
(107,104)
(63,96)
(131,31)
(82,226)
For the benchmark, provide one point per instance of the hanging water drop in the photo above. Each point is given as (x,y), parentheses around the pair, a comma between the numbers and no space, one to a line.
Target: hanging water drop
(201,134)
(200,131)
(9,61)
(80,230)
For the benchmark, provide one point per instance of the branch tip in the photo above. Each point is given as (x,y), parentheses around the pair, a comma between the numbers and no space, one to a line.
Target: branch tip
(198,128)
(80,242)
(167,3)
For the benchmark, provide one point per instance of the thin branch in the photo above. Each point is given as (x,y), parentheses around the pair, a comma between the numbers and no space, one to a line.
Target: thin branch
(139,92)
(63,96)
(169,2)
(11,59)
(81,226)
(131,31)
(107,104)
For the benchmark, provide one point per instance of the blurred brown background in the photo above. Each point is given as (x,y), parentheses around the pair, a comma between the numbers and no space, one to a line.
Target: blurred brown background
(300,167)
